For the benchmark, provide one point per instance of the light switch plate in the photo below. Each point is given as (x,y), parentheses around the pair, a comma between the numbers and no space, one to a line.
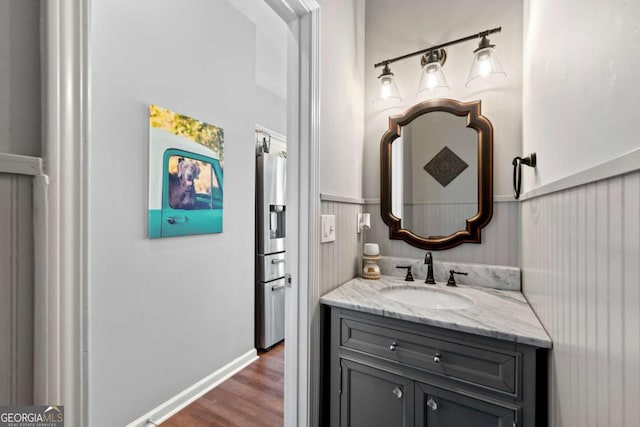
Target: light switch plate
(328,229)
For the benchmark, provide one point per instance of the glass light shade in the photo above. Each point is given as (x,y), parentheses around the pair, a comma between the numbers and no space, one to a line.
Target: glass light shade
(388,89)
(486,64)
(432,79)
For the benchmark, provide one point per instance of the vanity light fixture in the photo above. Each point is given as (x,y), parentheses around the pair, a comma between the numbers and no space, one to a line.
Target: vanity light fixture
(485,63)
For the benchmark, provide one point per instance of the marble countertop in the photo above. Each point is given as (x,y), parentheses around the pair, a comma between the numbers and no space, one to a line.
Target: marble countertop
(494,313)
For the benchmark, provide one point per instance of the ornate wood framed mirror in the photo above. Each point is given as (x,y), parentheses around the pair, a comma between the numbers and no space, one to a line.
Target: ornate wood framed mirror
(436,174)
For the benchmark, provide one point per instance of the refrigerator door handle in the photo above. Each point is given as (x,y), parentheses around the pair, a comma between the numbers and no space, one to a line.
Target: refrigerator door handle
(277,261)
(275,288)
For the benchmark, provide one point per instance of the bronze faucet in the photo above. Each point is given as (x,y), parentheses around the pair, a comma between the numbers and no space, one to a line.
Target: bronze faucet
(428,259)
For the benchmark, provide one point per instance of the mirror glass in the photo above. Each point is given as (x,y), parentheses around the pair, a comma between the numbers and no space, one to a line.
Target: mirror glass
(435,174)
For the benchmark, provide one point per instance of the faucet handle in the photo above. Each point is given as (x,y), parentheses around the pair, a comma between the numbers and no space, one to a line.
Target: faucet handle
(452,280)
(409,276)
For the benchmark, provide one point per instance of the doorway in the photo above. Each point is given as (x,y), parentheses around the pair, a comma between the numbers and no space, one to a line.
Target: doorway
(301,400)
(66,132)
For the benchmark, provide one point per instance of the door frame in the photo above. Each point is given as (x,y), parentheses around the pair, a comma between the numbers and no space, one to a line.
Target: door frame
(60,327)
(61,323)
(301,395)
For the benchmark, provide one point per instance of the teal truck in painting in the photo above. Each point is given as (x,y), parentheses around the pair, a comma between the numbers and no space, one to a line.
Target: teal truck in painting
(185,187)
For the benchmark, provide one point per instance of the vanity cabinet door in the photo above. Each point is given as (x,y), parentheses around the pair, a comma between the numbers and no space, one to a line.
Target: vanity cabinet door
(436,407)
(371,397)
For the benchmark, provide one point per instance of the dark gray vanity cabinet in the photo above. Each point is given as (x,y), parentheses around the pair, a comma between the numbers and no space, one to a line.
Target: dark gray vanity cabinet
(371,396)
(389,372)
(437,407)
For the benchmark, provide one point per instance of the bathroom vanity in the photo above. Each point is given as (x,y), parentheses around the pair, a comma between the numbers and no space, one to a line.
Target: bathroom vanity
(476,357)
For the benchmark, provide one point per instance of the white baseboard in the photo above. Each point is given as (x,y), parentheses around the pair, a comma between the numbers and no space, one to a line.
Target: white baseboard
(172,406)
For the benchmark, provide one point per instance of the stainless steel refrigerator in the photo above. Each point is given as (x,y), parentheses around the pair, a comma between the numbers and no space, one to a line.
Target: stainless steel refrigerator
(270,248)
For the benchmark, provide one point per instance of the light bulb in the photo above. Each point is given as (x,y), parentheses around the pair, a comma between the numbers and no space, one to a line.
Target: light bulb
(385,90)
(432,77)
(431,81)
(484,65)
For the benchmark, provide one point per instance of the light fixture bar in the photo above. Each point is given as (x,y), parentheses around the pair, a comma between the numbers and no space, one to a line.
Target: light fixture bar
(439,46)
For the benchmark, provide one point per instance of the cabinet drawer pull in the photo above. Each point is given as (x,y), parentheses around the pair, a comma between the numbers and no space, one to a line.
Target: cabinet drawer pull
(393,346)
(397,392)
(432,404)
(436,358)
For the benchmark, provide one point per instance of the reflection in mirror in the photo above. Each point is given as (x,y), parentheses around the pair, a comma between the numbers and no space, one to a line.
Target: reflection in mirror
(435,174)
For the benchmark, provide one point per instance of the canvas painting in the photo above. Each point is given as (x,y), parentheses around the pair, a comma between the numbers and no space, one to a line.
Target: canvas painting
(185,175)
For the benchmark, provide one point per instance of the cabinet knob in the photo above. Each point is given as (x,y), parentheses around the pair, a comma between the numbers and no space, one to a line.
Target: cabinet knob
(397,392)
(432,404)
(436,358)
(393,346)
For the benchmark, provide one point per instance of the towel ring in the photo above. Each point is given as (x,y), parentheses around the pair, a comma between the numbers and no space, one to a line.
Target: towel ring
(517,163)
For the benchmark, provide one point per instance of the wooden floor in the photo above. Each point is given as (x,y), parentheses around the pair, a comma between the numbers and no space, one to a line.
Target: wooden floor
(252,397)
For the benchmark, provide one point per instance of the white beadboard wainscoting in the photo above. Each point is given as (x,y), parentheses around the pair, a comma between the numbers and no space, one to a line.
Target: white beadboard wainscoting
(16,289)
(581,275)
(339,259)
(500,238)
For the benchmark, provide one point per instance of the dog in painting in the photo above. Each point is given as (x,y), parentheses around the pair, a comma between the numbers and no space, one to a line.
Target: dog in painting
(182,194)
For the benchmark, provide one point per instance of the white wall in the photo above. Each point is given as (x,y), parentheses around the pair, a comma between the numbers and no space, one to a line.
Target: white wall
(581,246)
(580,106)
(20,109)
(342,95)
(403,26)
(270,111)
(165,313)
(270,101)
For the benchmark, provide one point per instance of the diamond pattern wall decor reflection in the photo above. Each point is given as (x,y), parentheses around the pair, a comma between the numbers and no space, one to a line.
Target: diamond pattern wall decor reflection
(445,166)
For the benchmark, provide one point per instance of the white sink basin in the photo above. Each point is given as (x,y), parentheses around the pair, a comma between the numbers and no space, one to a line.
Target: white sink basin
(427,297)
